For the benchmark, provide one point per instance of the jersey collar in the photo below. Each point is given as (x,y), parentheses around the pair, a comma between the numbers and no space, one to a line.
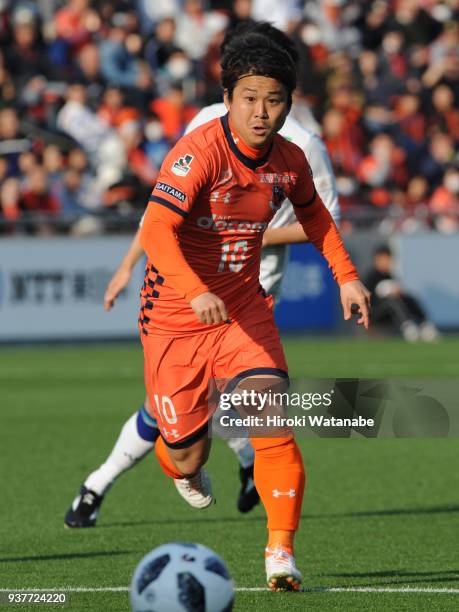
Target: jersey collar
(251,163)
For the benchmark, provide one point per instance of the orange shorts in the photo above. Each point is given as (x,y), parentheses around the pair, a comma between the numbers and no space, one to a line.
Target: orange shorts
(179,370)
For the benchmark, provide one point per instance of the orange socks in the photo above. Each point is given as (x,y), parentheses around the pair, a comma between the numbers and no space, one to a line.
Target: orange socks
(281,539)
(164,460)
(279,478)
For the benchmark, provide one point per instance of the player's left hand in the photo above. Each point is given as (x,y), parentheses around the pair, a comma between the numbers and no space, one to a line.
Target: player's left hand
(355,293)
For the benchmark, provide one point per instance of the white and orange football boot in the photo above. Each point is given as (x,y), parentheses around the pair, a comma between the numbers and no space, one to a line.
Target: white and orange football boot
(196,490)
(281,571)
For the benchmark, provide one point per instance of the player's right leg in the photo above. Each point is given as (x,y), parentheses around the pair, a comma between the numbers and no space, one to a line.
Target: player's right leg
(184,464)
(136,439)
(177,373)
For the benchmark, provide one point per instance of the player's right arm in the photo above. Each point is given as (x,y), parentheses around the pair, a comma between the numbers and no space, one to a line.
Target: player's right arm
(183,174)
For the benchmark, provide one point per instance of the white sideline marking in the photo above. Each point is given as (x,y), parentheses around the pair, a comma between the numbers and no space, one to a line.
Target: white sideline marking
(356,589)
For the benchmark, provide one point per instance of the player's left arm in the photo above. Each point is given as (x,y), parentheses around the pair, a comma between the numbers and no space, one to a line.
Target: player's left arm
(325,183)
(321,229)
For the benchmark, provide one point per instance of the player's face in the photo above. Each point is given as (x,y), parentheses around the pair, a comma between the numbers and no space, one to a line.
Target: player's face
(258,109)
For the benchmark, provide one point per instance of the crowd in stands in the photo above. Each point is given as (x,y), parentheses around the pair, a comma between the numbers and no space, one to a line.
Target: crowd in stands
(94,93)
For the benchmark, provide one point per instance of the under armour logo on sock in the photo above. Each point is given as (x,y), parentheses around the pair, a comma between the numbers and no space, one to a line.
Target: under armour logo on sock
(289,493)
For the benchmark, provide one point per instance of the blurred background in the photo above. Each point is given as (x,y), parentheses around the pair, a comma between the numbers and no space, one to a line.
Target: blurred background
(94,93)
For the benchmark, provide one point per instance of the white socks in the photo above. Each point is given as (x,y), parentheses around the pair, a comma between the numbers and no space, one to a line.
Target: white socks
(129,449)
(243,449)
(241,446)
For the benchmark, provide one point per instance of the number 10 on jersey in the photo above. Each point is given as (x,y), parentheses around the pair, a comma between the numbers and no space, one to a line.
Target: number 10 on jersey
(233,256)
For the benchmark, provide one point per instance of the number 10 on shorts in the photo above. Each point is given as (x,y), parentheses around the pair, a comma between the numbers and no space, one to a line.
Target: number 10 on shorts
(165,409)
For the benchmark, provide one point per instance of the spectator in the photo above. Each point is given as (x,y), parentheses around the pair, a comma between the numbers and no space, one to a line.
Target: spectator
(343,141)
(26,56)
(70,194)
(410,121)
(413,207)
(336,22)
(382,169)
(12,143)
(441,153)
(174,112)
(161,45)
(393,305)
(112,105)
(417,195)
(75,22)
(444,58)
(196,28)
(444,203)
(156,145)
(37,196)
(53,163)
(283,15)
(88,68)
(9,199)
(103,146)
(151,13)
(119,65)
(416,25)
(392,56)
(375,24)
(130,130)
(240,11)
(89,193)
(444,115)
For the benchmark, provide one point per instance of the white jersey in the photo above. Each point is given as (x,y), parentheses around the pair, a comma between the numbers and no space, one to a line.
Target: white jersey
(274,258)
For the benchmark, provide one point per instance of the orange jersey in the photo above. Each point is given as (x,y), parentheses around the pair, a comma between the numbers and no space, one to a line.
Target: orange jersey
(204,224)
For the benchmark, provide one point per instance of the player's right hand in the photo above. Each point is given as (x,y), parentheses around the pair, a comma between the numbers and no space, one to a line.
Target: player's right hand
(118,282)
(209,308)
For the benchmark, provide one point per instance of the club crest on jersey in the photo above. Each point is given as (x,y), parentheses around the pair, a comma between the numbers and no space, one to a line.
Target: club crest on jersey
(181,166)
(277,197)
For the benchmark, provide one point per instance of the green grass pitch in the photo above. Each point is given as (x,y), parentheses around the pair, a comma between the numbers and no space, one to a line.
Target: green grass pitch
(377,513)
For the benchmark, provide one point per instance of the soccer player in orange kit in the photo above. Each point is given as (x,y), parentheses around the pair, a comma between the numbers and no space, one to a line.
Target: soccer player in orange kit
(204,315)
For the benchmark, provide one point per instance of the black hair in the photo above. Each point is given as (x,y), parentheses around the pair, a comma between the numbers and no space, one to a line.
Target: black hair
(266,29)
(382,249)
(258,49)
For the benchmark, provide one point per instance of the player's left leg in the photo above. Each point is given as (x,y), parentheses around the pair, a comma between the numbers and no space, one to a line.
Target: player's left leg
(251,358)
(280,480)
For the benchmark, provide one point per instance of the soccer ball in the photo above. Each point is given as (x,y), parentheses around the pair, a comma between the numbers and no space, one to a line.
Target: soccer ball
(181,577)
